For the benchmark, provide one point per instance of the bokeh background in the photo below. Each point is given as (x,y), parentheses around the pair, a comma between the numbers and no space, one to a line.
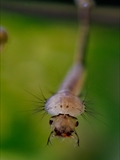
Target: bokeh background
(38,54)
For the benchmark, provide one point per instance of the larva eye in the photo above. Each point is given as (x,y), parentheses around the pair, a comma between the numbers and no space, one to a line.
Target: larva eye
(77,123)
(51,121)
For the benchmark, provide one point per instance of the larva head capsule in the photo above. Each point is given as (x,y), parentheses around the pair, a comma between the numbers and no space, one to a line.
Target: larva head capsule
(63,125)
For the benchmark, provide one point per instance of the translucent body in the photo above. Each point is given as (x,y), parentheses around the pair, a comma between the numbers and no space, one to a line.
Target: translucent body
(64,106)
(64,103)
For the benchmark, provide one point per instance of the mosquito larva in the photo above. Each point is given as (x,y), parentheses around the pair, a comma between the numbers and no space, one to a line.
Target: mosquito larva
(65,105)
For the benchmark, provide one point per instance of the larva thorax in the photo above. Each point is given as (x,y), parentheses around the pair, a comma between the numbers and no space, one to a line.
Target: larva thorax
(64,103)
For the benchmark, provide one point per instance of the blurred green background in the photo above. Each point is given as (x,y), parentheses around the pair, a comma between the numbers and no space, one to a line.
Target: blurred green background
(39,53)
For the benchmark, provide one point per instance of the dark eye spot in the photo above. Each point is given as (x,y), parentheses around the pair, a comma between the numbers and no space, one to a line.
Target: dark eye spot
(67,106)
(77,123)
(50,122)
(55,129)
(61,106)
(68,134)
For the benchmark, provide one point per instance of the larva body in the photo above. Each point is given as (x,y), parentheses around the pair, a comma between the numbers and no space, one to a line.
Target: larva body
(65,105)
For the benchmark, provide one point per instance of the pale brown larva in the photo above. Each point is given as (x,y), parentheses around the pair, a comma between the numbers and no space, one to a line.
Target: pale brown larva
(65,105)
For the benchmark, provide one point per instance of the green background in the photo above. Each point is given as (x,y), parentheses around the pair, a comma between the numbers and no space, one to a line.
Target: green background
(38,54)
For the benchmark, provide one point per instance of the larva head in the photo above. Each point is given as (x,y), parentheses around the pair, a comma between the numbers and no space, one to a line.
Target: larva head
(63,126)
